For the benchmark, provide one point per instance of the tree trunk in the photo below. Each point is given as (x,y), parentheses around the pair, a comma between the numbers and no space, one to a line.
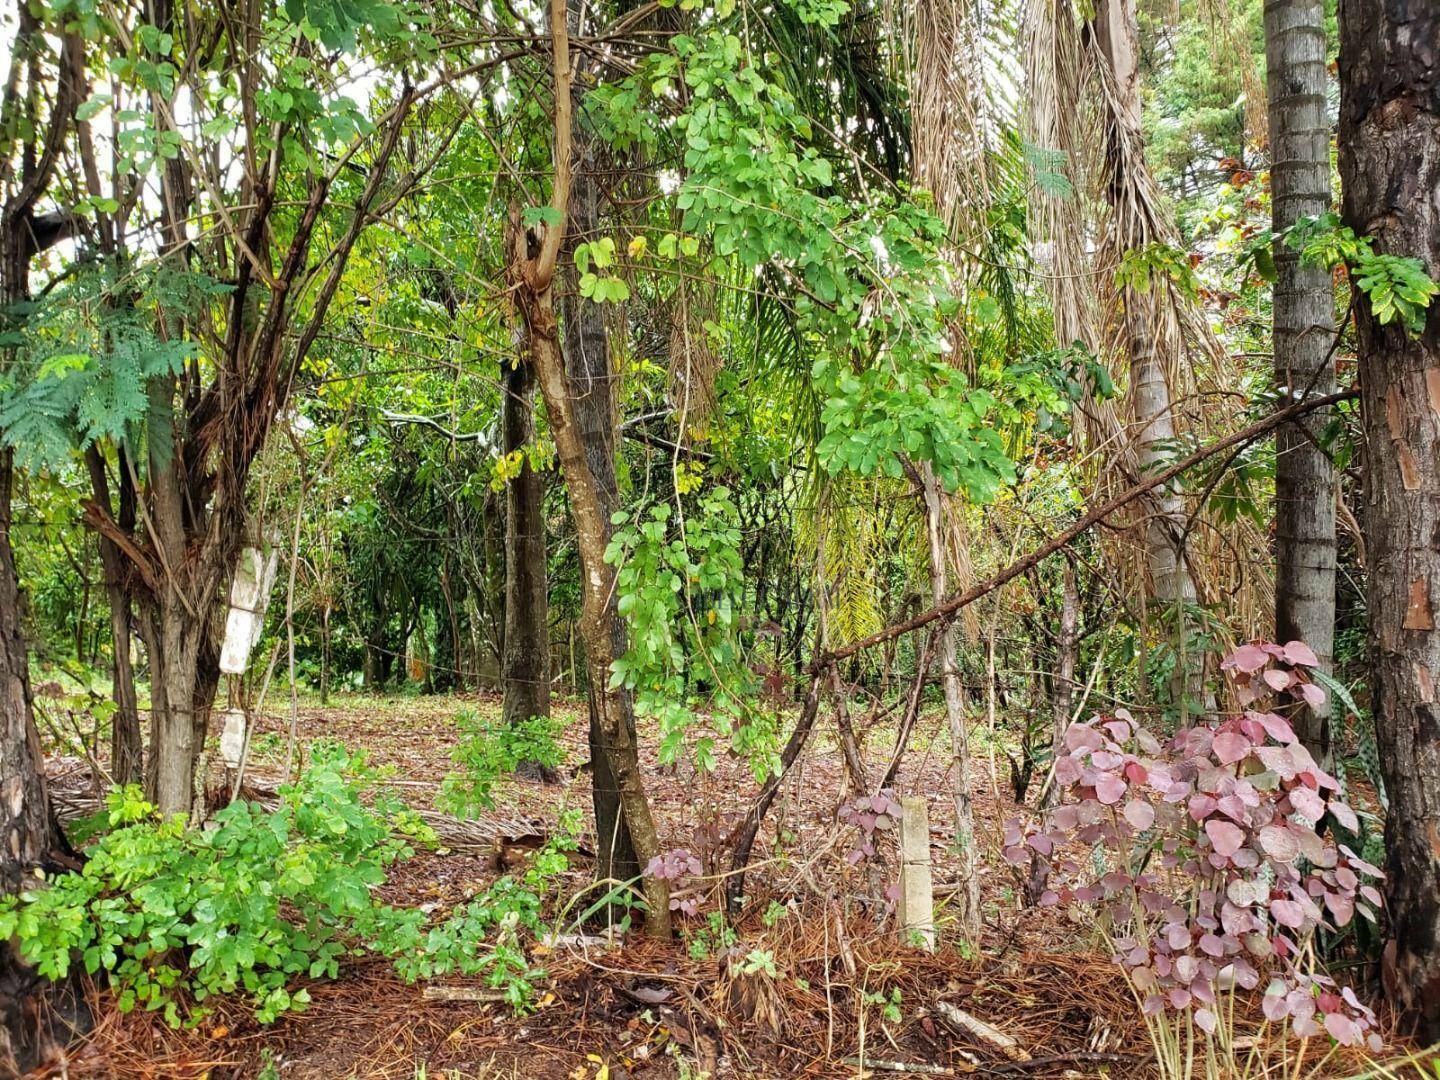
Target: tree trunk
(1390,172)
(1067,648)
(174,631)
(36,1017)
(1129,189)
(578,388)
(126,750)
(1062,695)
(1304,328)
(588,371)
(30,836)
(968,896)
(526,666)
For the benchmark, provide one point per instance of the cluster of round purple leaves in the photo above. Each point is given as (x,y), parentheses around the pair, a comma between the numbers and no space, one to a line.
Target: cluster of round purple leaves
(1206,860)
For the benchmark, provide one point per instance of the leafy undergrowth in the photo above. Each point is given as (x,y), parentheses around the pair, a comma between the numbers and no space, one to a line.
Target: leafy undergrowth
(810,981)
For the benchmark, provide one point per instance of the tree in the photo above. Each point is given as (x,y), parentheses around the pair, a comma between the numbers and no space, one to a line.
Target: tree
(171,368)
(1135,224)
(525,666)
(582,423)
(1390,174)
(1304,326)
(30,837)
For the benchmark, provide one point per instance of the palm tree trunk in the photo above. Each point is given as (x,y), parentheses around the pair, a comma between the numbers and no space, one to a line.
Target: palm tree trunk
(1304,327)
(1390,173)
(1135,223)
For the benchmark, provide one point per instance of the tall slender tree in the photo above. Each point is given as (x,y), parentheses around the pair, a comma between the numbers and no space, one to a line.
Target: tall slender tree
(525,659)
(1390,175)
(576,380)
(1147,332)
(30,837)
(1304,327)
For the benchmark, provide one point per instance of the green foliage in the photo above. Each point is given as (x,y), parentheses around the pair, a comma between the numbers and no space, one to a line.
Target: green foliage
(252,905)
(266,899)
(337,23)
(681,585)
(868,280)
(1048,168)
(485,936)
(1141,267)
(85,357)
(1397,287)
(714,937)
(489,750)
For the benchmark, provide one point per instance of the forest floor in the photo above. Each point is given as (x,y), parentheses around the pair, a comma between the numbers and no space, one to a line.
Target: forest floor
(632,1007)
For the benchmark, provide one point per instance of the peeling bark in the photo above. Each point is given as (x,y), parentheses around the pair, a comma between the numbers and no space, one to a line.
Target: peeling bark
(1390,170)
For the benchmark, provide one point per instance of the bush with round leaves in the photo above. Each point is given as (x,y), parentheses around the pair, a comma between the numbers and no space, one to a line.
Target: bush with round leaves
(1204,857)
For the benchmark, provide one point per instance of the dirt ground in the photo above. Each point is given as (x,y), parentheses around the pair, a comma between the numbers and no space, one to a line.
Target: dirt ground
(631,1007)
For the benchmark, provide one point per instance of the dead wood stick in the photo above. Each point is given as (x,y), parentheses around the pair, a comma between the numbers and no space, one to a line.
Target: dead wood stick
(968,596)
(462,993)
(912,707)
(750,827)
(897,1066)
(958,1020)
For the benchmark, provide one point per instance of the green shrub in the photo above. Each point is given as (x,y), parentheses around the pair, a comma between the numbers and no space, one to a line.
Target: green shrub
(489,750)
(262,900)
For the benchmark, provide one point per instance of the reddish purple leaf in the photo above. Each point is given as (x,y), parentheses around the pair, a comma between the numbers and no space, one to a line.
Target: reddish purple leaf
(1307,804)
(1226,838)
(1139,814)
(1297,652)
(1342,907)
(1342,1029)
(1345,816)
(1288,913)
(1109,788)
(1279,844)
(1275,725)
(1229,747)
(1247,659)
(1278,678)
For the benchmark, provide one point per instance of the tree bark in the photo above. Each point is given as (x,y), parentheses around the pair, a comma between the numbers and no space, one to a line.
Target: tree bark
(126,749)
(1390,173)
(1062,696)
(36,1016)
(526,666)
(936,520)
(1131,193)
(578,388)
(1304,328)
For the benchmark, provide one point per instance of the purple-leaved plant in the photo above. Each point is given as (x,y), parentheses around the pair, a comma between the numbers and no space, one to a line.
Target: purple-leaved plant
(869,814)
(1208,867)
(674,867)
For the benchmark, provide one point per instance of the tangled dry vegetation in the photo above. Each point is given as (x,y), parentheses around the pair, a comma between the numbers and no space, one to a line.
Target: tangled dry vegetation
(812,981)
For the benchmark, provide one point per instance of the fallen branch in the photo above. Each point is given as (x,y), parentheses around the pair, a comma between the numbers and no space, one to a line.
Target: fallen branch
(1074,1057)
(744,836)
(961,1022)
(462,993)
(955,602)
(897,1066)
